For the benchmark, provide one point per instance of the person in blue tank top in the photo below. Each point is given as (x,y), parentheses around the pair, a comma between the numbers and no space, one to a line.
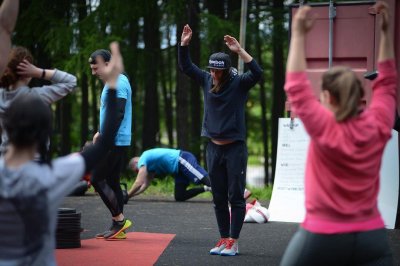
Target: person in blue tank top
(106,176)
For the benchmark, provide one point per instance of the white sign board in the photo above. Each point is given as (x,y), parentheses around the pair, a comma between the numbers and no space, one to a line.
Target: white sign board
(287,201)
(389,183)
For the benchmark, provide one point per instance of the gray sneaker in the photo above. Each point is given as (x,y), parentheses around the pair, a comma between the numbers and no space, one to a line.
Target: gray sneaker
(231,248)
(219,247)
(117,228)
(101,235)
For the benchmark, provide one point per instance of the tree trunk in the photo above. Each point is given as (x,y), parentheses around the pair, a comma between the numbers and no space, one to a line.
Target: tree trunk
(263,103)
(216,8)
(82,14)
(95,112)
(152,51)
(195,96)
(66,103)
(182,99)
(132,72)
(66,125)
(166,99)
(234,15)
(55,145)
(169,112)
(278,76)
(84,110)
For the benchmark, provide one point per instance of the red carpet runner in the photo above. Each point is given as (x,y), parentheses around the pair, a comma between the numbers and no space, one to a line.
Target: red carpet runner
(138,249)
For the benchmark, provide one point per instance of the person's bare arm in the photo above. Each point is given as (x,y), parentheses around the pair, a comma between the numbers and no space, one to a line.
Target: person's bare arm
(234,46)
(27,69)
(386,50)
(186,35)
(384,88)
(8,18)
(141,183)
(301,24)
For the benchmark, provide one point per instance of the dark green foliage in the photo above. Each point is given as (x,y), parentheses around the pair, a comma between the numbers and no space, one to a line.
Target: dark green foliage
(62,34)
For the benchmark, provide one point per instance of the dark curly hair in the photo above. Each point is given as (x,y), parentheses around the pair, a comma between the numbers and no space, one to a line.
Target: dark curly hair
(28,122)
(10,75)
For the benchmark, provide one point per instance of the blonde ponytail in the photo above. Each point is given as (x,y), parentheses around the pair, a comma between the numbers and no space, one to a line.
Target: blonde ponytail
(346,89)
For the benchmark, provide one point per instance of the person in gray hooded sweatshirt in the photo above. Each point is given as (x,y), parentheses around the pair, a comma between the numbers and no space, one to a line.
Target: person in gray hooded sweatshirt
(16,77)
(31,191)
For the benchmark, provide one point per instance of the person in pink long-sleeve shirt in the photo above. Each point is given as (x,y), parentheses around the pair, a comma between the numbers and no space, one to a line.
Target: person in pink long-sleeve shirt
(342,225)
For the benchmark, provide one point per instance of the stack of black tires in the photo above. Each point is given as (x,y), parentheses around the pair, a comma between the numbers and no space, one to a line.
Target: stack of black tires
(68,234)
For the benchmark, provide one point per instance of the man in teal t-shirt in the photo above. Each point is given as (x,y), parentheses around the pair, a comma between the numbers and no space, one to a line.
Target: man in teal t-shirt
(182,165)
(106,175)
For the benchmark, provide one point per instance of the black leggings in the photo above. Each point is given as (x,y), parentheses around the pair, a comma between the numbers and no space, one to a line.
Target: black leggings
(106,179)
(368,248)
(182,193)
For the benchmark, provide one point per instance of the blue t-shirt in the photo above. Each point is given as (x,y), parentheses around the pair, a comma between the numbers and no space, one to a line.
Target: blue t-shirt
(160,161)
(123,137)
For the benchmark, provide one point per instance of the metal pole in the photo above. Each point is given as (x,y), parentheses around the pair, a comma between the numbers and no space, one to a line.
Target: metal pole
(332,15)
(242,39)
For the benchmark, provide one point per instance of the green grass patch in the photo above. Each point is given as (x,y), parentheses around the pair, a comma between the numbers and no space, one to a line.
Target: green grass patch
(261,193)
(254,160)
(165,187)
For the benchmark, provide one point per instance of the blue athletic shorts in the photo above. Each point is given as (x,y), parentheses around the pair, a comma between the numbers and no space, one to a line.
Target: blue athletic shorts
(189,170)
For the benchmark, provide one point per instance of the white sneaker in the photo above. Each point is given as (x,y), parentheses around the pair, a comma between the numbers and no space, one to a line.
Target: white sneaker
(219,247)
(206,188)
(231,248)
(247,194)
